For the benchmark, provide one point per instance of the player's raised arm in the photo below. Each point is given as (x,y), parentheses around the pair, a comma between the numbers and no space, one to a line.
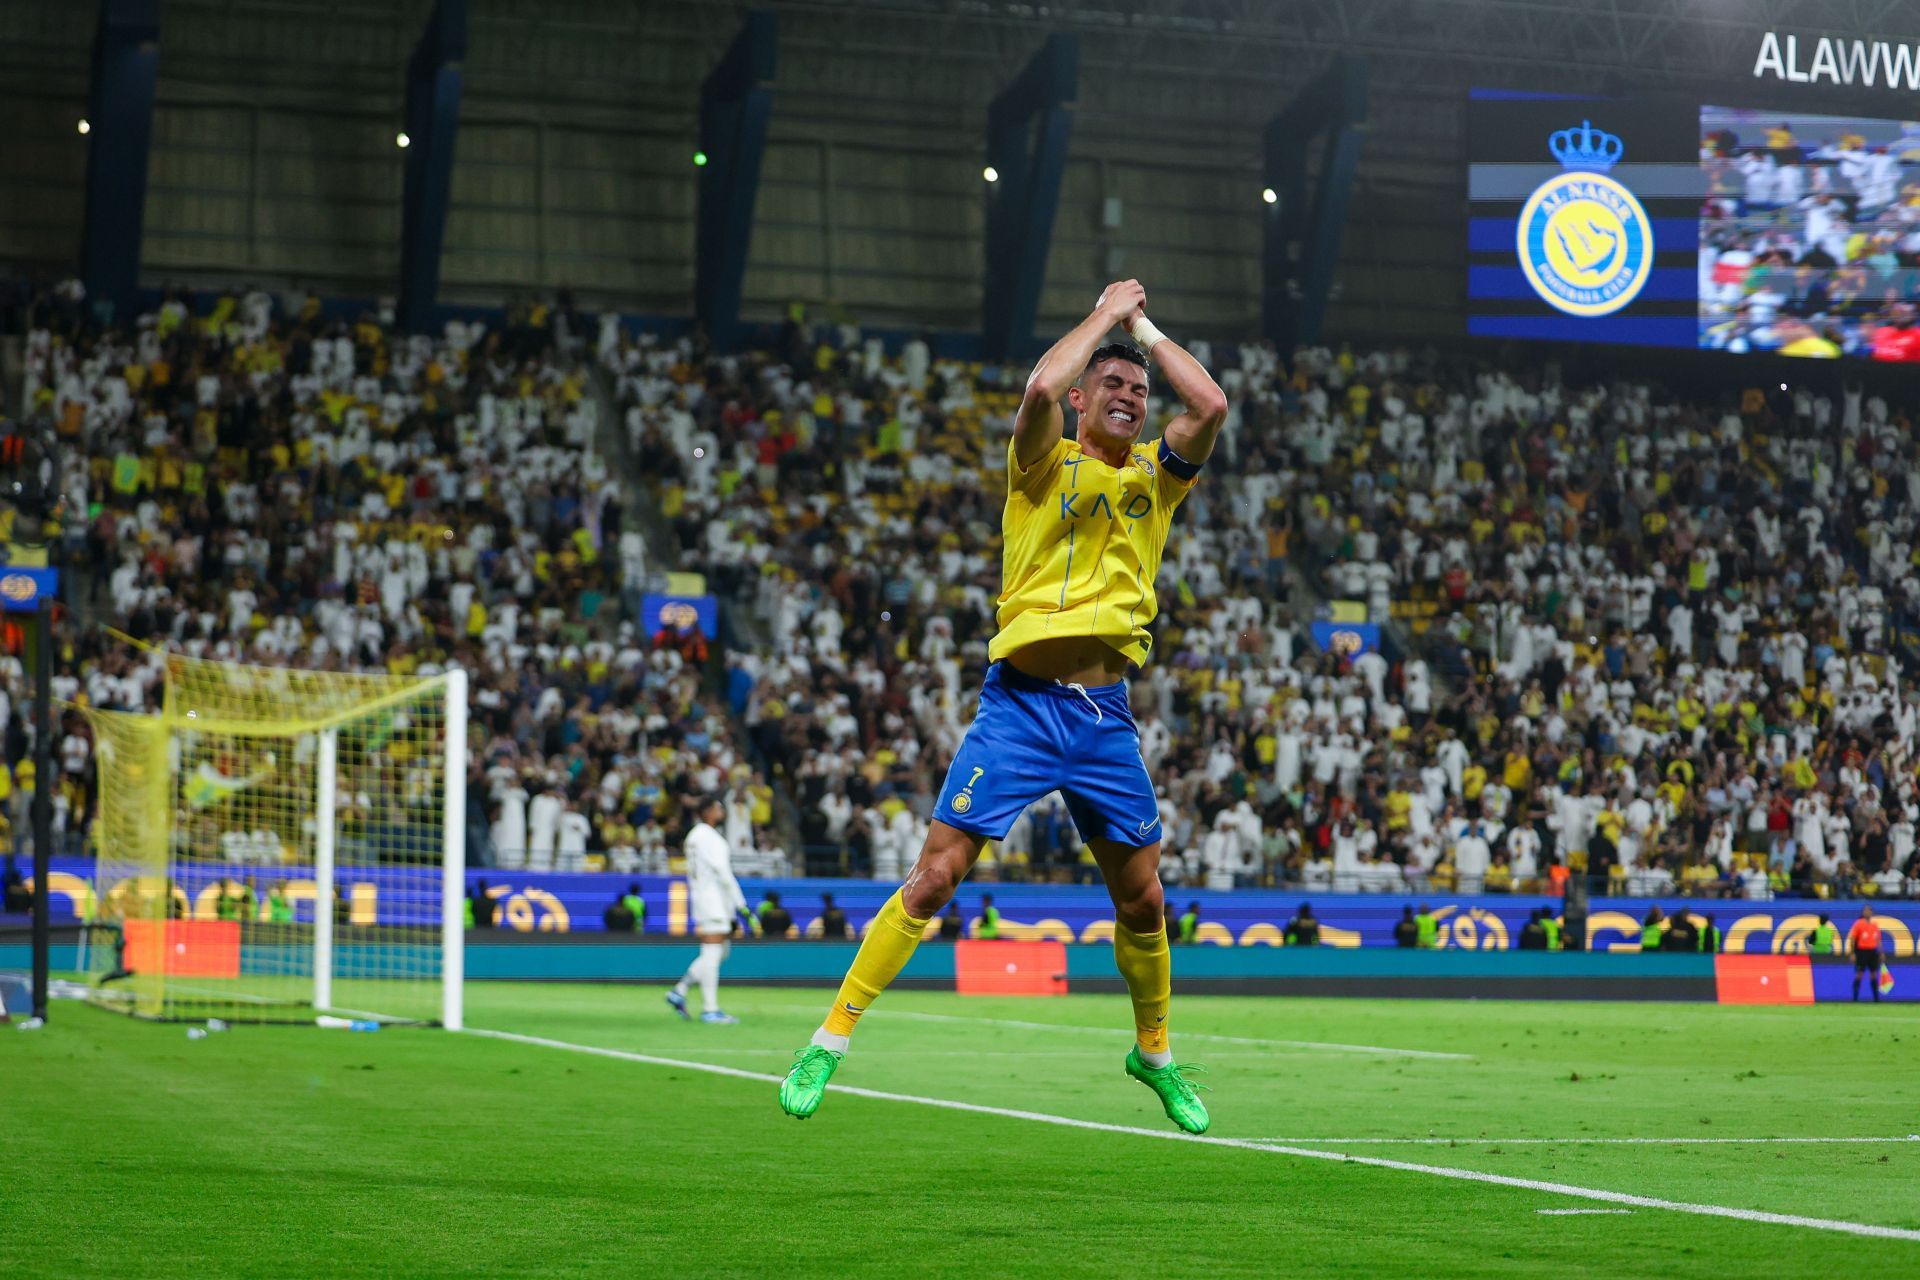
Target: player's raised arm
(1204,405)
(1037,426)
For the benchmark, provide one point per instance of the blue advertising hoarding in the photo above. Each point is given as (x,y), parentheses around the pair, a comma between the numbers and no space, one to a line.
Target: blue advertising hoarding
(541,902)
(677,613)
(21,589)
(1346,638)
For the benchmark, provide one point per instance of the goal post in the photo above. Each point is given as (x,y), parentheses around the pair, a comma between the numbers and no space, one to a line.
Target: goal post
(277,843)
(325,810)
(453,856)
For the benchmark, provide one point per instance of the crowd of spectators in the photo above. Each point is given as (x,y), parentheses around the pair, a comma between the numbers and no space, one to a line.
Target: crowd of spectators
(253,479)
(1671,631)
(1628,636)
(1655,642)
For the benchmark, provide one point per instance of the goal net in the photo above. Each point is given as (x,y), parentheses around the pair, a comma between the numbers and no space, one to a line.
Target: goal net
(280,843)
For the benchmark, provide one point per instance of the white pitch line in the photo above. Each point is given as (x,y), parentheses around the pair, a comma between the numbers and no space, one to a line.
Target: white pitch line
(1567,1142)
(1320,1045)
(1244,1144)
(1568,1213)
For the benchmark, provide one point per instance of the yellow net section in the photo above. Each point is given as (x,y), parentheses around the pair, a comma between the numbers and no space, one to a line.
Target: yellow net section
(219,820)
(131,872)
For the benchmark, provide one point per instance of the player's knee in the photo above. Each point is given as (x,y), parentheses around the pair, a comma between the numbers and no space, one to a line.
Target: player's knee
(1141,909)
(944,861)
(929,888)
(924,893)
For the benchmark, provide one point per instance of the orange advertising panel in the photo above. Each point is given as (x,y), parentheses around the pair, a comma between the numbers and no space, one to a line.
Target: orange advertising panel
(1009,968)
(184,948)
(1783,979)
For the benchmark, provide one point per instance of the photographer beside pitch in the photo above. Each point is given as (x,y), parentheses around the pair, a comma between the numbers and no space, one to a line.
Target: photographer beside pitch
(1085,527)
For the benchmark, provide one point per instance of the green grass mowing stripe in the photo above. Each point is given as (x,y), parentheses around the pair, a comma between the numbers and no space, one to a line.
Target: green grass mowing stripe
(1325,1046)
(1439,1171)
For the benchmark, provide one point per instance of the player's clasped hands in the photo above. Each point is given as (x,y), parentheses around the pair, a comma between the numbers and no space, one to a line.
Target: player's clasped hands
(1123,301)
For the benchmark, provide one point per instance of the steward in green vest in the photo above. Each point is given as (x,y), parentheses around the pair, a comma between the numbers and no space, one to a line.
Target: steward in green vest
(466,906)
(1552,925)
(989,926)
(1710,937)
(1821,941)
(633,902)
(279,910)
(1651,930)
(1189,922)
(1428,926)
(775,919)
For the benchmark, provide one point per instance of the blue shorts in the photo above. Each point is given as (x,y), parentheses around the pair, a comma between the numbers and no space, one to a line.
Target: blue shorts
(1032,737)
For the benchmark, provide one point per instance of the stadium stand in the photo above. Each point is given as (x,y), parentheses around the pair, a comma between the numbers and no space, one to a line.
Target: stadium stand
(273,486)
(1677,670)
(1638,646)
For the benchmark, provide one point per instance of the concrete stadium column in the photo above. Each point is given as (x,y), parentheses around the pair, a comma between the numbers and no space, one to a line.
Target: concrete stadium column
(1302,240)
(126,61)
(736,102)
(1028,126)
(432,121)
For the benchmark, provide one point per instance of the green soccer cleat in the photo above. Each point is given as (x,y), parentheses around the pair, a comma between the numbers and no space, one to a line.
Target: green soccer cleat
(806,1084)
(1178,1094)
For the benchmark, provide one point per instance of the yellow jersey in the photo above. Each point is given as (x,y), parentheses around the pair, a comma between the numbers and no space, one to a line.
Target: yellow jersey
(1082,542)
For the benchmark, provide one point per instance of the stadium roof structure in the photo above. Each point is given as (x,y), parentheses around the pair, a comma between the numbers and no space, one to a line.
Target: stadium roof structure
(1425,42)
(578,124)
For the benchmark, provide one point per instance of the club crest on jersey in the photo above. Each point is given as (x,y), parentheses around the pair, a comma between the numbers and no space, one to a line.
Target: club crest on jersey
(1145,464)
(964,800)
(1585,244)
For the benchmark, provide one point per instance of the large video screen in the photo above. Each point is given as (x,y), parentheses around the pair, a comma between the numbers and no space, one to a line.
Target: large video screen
(1663,223)
(1809,234)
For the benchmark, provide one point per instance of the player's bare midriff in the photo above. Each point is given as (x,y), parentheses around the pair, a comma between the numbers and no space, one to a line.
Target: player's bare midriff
(1071,660)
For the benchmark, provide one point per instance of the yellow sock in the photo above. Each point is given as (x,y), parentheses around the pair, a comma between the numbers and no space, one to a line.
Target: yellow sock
(1147,966)
(882,955)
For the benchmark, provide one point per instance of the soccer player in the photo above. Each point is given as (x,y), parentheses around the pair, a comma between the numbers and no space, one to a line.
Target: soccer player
(716,899)
(1085,525)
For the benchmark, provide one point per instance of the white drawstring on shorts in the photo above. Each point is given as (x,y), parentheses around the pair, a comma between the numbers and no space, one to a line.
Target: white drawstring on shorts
(1081,689)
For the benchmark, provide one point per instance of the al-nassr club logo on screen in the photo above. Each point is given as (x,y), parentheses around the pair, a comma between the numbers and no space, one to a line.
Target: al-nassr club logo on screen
(1585,243)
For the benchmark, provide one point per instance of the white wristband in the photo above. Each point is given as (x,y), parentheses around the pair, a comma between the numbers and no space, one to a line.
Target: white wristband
(1146,334)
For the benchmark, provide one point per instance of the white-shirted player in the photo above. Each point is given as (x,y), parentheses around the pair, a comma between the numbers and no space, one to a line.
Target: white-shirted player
(715,897)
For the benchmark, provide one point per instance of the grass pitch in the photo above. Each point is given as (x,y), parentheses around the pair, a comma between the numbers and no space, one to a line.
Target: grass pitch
(133,1151)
